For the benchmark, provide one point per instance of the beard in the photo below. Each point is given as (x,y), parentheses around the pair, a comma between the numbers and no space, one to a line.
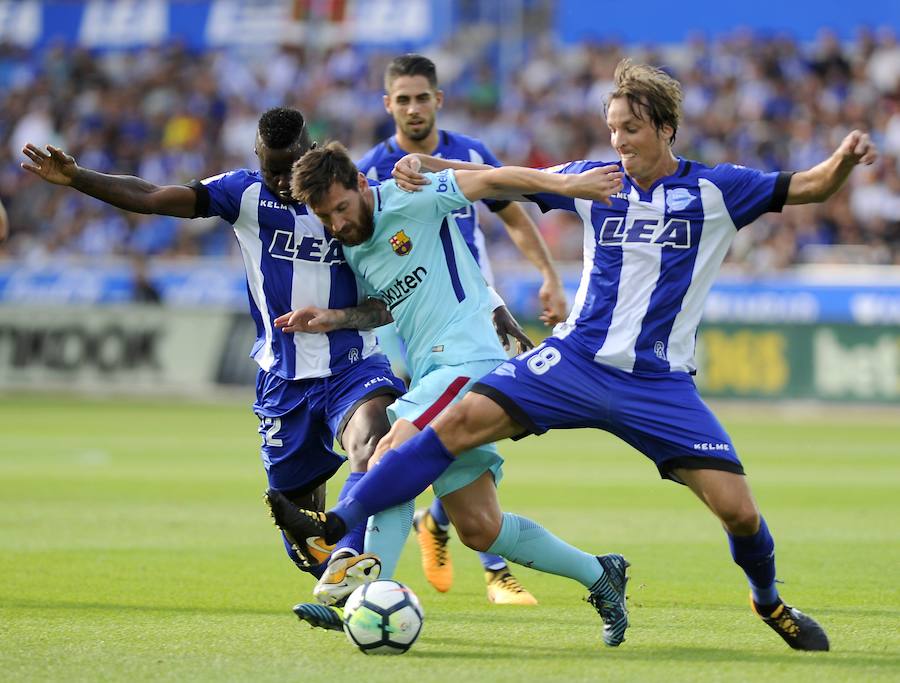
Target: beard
(362,230)
(422,133)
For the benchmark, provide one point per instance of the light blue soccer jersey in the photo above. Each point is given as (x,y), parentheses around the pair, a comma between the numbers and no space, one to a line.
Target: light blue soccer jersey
(379,161)
(418,263)
(651,257)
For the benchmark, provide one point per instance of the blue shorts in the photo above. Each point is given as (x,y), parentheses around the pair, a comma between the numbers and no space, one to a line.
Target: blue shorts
(300,419)
(558,386)
(440,387)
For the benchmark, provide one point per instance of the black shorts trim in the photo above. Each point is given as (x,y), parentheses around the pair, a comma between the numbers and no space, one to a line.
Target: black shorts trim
(311,486)
(696,462)
(513,409)
(380,391)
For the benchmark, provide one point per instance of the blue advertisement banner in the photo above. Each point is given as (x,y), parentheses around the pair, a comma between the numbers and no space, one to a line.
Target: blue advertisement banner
(662,22)
(204,24)
(771,300)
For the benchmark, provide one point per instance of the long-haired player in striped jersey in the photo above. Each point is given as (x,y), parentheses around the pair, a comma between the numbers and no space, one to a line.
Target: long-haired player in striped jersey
(311,388)
(623,361)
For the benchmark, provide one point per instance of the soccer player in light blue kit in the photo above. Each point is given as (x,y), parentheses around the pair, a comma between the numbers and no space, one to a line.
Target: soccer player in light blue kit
(623,360)
(407,249)
(313,388)
(412,98)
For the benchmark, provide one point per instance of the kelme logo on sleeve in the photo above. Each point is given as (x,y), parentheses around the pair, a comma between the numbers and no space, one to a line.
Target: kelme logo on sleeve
(401,244)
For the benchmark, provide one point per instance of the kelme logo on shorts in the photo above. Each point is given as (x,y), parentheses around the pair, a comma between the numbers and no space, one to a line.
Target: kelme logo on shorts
(401,244)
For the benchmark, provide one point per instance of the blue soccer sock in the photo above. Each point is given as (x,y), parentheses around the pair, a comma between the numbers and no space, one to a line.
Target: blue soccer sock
(527,543)
(401,475)
(352,542)
(386,533)
(439,515)
(756,556)
(491,562)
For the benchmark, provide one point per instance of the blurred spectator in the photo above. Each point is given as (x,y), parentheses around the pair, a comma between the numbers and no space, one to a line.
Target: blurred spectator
(164,113)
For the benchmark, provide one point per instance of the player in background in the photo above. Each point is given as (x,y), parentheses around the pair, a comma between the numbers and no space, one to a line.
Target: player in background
(407,250)
(412,98)
(310,388)
(623,360)
(4,223)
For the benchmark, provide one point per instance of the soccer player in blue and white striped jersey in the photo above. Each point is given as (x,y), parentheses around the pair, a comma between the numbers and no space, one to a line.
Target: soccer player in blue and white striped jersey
(623,360)
(413,99)
(311,388)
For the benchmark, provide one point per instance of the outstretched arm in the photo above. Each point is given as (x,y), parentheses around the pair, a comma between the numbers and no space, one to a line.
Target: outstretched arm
(312,319)
(514,182)
(409,169)
(125,192)
(821,181)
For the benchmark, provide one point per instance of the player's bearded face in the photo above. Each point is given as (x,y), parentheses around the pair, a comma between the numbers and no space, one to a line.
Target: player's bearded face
(346,215)
(413,103)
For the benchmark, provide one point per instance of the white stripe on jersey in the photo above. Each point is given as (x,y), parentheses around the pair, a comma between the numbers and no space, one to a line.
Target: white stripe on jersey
(246,228)
(583,207)
(484,263)
(710,252)
(310,286)
(637,282)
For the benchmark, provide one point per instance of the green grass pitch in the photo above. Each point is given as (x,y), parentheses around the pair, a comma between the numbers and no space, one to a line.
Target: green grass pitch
(134,545)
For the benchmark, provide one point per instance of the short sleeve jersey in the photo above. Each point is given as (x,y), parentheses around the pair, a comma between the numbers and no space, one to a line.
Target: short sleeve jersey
(418,263)
(650,259)
(290,262)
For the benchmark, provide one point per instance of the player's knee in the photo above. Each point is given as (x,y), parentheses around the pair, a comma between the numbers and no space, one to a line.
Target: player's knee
(477,531)
(741,518)
(361,447)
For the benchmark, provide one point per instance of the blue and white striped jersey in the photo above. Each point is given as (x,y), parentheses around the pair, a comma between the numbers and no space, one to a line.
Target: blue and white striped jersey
(651,258)
(379,161)
(291,262)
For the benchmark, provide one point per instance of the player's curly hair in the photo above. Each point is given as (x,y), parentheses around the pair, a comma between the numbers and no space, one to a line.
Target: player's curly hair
(282,127)
(410,65)
(316,171)
(651,93)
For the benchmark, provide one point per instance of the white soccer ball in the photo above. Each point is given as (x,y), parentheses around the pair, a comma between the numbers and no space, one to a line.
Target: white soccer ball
(383,618)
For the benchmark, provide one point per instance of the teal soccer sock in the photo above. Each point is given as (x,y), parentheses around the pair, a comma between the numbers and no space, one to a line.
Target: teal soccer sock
(528,543)
(386,533)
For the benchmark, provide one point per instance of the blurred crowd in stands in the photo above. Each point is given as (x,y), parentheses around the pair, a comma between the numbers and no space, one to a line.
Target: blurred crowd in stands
(170,116)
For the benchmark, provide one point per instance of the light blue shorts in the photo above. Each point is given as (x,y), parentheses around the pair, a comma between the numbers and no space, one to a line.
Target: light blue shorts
(439,388)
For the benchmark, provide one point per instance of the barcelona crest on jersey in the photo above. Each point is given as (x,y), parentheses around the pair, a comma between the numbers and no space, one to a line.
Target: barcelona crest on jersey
(401,244)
